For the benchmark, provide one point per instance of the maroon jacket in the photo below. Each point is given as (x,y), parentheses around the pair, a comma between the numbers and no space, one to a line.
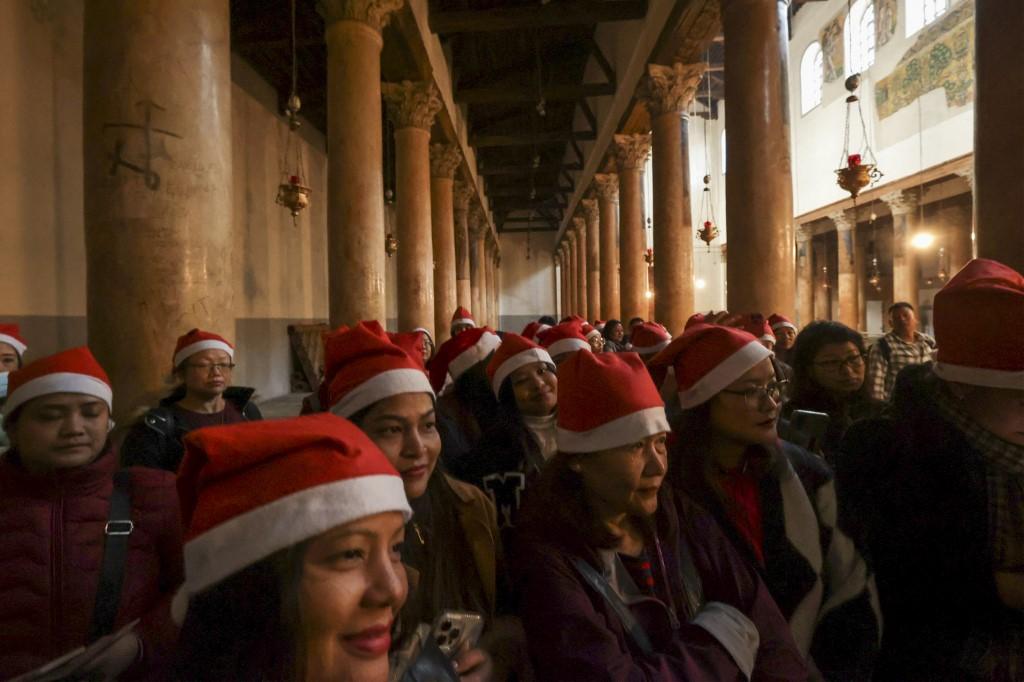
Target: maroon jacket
(51,549)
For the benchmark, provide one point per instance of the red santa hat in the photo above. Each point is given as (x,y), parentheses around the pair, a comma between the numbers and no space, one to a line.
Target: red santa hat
(599,324)
(459,353)
(564,337)
(252,489)
(413,343)
(530,330)
(979,326)
(370,368)
(707,358)
(196,340)
(513,353)
(11,335)
(649,338)
(463,316)
(778,321)
(696,318)
(70,371)
(590,331)
(756,325)
(606,400)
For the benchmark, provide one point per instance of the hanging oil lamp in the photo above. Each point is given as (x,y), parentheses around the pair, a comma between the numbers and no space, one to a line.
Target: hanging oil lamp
(708,231)
(649,257)
(943,273)
(824,277)
(293,193)
(390,245)
(858,166)
(875,276)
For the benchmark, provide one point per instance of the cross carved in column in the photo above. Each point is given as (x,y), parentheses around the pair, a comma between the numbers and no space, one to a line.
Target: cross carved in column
(670,88)
(631,151)
(412,104)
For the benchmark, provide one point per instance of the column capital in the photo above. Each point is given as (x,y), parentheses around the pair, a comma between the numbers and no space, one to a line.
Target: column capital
(570,238)
(579,223)
(588,207)
(477,221)
(631,151)
(968,175)
(374,13)
(900,202)
(412,104)
(804,233)
(462,192)
(667,89)
(444,160)
(607,186)
(842,220)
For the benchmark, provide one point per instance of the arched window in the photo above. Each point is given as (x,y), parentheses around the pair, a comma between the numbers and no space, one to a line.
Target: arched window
(860,37)
(812,75)
(723,152)
(920,13)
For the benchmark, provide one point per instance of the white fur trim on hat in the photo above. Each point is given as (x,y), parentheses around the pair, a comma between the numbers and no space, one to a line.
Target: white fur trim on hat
(616,433)
(567,346)
(483,347)
(593,332)
(518,360)
(464,320)
(18,346)
(253,536)
(207,344)
(726,372)
(979,376)
(536,334)
(780,325)
(59,382)
(381,386)
(648,350)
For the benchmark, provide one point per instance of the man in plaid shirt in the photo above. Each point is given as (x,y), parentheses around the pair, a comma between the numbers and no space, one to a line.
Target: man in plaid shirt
(902,346)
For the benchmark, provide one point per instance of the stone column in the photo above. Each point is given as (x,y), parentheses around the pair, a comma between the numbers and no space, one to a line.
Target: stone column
(592,217)
(606,185)
(847,274)
(355,182)
(579,224)
(560,294)
(488,288)
(667,91)
(444,160)
(477,225)
(496,288)
(804,276)
(412,107)
(461,194)
(905,274)
(574,279)
(157,185)
(998,134)
(631,153)
(758,186)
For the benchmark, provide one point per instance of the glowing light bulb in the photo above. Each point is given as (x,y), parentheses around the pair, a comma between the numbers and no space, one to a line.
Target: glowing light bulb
(700,283)
(922,240)
(648,294)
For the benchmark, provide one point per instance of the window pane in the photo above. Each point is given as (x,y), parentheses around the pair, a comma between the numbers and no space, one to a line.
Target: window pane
(811,78)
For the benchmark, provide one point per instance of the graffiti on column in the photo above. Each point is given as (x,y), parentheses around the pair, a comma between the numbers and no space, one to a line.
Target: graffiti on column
(153,145)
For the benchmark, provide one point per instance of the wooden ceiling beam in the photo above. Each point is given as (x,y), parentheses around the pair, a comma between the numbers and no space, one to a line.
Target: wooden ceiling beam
(483,140)
(552,93)
(541,227)
(555,14)
(526,169)
(523,191)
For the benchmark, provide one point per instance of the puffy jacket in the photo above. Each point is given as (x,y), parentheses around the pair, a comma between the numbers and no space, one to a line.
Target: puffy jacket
(51,549)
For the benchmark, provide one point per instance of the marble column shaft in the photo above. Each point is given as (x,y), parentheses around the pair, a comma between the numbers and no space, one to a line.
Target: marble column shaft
(905,273)
(158,226)
(461,194)
(631,152)
(444,161)
(580,226)
(606,186)
(592,217)
(476,258)
(846,236)
(804,277)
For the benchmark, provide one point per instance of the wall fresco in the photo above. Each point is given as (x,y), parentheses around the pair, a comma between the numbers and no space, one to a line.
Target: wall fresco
(832,51)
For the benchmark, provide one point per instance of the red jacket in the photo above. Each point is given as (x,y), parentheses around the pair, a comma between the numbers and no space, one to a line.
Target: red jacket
(51,548)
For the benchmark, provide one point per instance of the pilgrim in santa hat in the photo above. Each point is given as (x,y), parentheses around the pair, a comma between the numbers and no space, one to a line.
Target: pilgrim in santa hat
(564,339)
(600,514)
(775,498)
(461,321)
(785,335)
(594,337)
(12,347)
(458,372)
(648,339)
(203,365)
(534,329)
(60,481)
(274,511)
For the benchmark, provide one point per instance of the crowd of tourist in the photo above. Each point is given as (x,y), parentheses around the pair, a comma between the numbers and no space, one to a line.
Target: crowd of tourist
(586,500)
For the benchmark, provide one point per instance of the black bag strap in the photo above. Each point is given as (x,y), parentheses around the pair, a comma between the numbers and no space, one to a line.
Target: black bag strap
(629,622)
(117,531)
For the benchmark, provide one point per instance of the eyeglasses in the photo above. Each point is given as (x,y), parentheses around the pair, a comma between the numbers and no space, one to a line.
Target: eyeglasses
(837,366)
(209,367)
(754,397)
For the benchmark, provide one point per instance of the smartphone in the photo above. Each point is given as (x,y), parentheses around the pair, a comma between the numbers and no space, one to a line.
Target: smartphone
(807,429)
(454,631)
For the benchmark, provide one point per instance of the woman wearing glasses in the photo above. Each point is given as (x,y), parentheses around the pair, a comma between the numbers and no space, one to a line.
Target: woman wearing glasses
(828,376)
(204,396)
(775,500)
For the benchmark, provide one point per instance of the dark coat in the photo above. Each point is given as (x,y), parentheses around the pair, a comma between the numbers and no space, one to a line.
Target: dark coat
(574,634)
(157,439)
(915,490)
(51,546)
(841,415)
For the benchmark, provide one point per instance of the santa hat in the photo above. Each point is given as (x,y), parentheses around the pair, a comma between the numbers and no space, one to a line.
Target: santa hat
(756,325)
(707,358)
(530,331)
(778,321)
(196,340)
(252,489)
(606,400)
(412,343)
(696,318)
(599,324)
(70,371)
(459,353)
(979,326)
(590,331)
(649,338)
(370,368)
(11,335)
(462,316)
(513,353)
(564,337)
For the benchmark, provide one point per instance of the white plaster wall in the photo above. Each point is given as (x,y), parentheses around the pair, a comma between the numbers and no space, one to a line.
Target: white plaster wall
(527,287)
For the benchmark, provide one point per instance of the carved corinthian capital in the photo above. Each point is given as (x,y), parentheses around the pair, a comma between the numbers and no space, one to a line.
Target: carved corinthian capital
(670,88)
(477,221)
(631,151)
(606,185)
(579,224)
(900,202)
(412,104)
(842,220)
(375,13)
(462,192)
(444,160)
(588,207)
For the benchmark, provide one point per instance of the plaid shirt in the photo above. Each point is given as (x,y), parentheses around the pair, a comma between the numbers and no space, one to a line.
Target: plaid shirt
(882,371)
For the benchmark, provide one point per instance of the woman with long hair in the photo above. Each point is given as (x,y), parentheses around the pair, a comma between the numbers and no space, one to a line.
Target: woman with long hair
(614,336)
(616,579)
(775,500)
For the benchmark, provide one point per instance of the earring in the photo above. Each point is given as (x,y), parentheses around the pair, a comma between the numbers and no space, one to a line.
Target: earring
(576,468)
(110,425)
